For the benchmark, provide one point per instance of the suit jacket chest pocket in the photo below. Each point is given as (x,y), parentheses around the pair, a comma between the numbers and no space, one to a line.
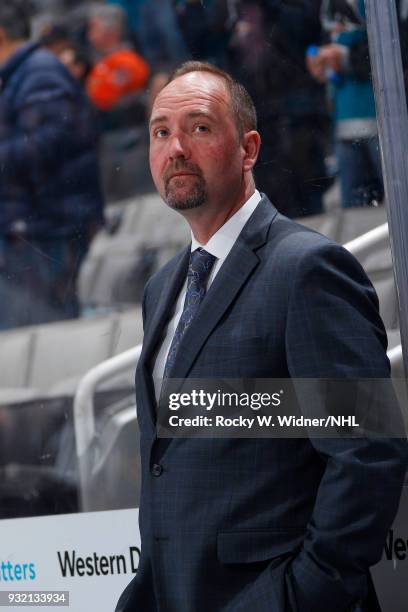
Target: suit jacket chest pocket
(240,346)
(233,345)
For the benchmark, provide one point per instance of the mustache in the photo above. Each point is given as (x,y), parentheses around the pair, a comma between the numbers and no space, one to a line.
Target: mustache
(181,166)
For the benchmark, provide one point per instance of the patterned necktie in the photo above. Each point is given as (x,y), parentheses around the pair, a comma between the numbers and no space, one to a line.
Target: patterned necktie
(199,269)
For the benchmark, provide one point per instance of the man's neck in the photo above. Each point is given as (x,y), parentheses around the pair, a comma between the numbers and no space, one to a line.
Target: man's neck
(8,48)
(116,45)
(205,222)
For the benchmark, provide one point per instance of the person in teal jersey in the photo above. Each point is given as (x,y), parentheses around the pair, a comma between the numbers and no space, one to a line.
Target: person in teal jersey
(343,65)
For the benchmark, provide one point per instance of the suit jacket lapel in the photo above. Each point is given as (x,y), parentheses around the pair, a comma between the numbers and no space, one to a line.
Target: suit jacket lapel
(236,269)
(155,330)
(166,304)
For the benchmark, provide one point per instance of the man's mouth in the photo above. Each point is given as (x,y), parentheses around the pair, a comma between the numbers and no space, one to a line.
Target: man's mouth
(178,174)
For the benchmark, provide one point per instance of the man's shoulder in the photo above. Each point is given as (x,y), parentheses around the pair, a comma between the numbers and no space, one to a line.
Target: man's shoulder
(279,231)
(297,254)
(42,57)
(291,240)
(38,58)
(42,72)
(290,249)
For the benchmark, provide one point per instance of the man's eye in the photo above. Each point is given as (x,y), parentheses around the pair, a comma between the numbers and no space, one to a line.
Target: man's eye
(161,133)
(201,128)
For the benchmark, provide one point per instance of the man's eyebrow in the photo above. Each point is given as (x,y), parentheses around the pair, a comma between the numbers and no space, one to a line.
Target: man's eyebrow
(160,119)
(192,115)
(197,114)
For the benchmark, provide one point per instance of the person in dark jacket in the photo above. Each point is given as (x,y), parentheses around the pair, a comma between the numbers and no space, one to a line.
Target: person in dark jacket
(50,195)
(266,53)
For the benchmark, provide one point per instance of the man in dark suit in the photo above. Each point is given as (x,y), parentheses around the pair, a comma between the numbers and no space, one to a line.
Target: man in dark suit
(238,525)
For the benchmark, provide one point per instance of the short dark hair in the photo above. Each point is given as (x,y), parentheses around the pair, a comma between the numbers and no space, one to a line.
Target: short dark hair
(54,33)
(243,108)
(15,18)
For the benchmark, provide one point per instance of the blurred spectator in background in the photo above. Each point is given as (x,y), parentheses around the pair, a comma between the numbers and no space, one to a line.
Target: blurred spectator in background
(77,61)
(193,18)
(50,197)
(132,9)
(56,37)
(345,64)
(161,40)
(267,46)
(120,71)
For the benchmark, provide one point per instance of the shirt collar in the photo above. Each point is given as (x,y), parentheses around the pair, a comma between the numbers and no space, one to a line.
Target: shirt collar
(224,239)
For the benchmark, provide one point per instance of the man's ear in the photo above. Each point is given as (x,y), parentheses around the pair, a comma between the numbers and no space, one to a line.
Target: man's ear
(251,143)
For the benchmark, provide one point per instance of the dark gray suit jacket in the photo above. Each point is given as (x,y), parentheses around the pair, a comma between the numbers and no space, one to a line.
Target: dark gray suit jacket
(238,525)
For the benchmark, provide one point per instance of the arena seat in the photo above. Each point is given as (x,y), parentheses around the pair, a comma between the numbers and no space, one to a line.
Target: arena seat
(15,352)
(117,276)
(68,349)
(118,264)
(354,222)
(327,223)
(125,163)
(343,225)
(129,331)
(16,395)
(51,359)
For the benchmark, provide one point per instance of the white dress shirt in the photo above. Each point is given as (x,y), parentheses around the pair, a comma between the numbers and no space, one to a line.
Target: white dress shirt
(219,245)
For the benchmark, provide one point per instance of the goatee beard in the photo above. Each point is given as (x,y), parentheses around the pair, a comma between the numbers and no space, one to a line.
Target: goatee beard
(196,197)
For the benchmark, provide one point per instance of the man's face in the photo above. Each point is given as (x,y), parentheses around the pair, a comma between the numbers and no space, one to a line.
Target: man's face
(99,35)
(195,153)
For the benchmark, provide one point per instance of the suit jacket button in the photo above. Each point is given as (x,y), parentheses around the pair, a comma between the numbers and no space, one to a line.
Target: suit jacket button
(157,469)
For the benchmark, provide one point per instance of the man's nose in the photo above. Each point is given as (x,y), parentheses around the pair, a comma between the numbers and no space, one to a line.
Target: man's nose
(179,146)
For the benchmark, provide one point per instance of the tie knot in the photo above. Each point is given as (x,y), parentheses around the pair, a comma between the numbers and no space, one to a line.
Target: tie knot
(201,263)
